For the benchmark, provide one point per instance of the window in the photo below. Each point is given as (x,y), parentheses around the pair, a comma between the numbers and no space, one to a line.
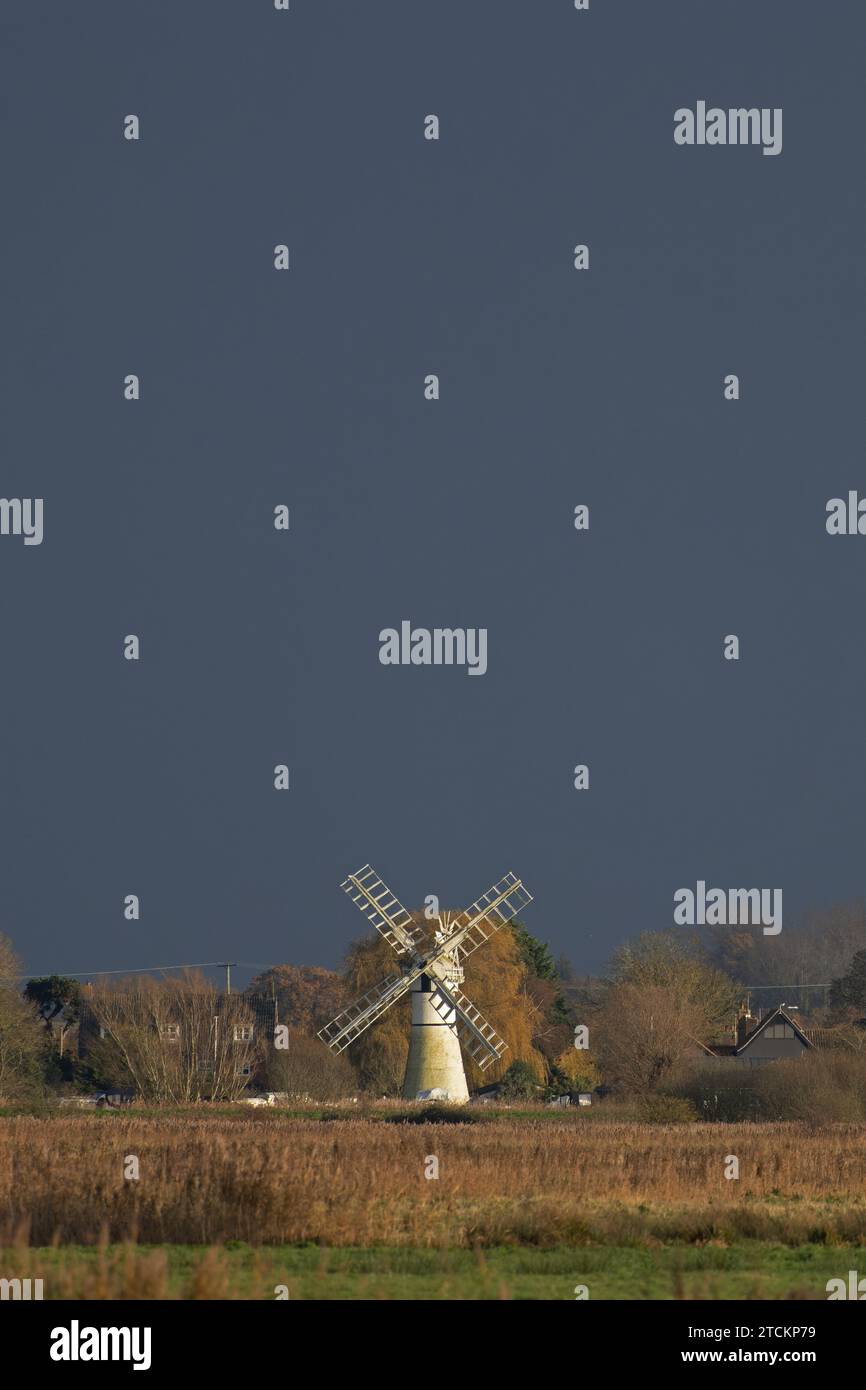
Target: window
(243,1032)
(170,1031)
(243,1069)
(780,1030)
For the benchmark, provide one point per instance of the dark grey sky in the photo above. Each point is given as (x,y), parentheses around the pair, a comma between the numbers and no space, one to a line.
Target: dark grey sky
(411,257)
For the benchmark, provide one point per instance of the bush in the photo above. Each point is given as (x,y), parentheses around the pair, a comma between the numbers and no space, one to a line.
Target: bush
(668,1110)
(819,1087)
(822,1087)
(309,1068)
(520,1082)
(721,1091)
(438,1113)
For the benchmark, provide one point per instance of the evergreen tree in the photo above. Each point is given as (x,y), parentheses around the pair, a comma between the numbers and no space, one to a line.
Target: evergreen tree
(850,990)
(53,995)
(519,1082)
(535,954)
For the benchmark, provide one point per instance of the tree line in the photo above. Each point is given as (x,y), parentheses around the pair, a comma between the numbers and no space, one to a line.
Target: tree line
(632,1029)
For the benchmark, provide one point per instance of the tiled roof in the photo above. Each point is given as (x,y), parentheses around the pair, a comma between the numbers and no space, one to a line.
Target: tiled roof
(827,1037)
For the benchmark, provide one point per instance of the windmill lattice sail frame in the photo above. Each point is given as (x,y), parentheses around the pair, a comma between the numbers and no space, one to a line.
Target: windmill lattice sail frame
(456,938)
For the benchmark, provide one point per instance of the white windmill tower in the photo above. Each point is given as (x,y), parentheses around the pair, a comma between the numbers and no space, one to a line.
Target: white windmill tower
(432,971)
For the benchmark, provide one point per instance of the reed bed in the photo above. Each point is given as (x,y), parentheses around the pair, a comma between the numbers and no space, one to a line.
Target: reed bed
(273,1180)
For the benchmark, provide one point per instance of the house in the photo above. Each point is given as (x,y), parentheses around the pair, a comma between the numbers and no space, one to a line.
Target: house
(774,1038)
(249,1019)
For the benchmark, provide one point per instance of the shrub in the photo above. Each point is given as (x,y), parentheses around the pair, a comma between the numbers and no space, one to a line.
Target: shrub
(720,1091)
(821,1087)
(817,1088)
(309,1068)
(520,1082)
(668,1110)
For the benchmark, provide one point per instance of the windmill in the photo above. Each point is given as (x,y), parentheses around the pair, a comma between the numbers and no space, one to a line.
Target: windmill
(432,971)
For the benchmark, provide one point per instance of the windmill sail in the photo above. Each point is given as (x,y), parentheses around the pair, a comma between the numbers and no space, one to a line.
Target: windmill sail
(383,909)
(480,1038)
(357,1016)
(498,906)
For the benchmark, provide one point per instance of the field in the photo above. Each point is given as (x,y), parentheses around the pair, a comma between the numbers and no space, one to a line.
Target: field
(335,1204)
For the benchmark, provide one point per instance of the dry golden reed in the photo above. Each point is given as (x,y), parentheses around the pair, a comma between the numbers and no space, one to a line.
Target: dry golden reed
(269,1179)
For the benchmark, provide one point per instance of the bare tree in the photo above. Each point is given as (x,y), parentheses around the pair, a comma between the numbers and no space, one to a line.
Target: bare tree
(180,1039)
(678,965)
(309,1069)
(642,1032)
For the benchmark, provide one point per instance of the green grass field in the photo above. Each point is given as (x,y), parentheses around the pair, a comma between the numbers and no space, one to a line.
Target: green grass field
(751,1270)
